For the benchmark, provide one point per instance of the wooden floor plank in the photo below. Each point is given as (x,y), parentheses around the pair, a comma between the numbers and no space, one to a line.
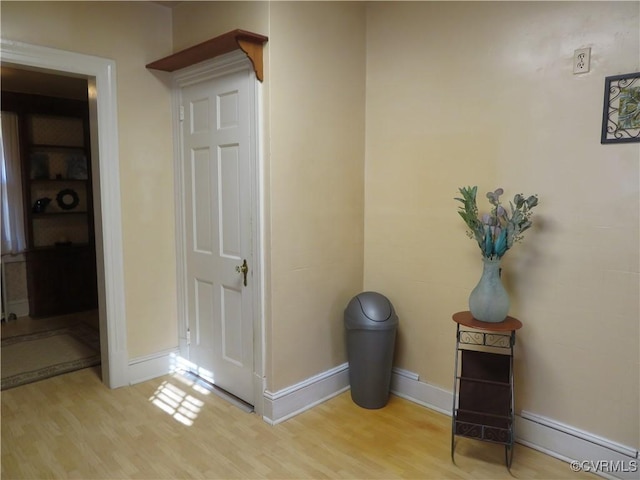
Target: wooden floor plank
(72,426)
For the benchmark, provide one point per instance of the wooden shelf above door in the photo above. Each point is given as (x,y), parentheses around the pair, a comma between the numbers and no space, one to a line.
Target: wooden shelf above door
(250,43)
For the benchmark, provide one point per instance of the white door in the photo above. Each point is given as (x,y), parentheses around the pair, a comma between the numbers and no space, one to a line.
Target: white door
(216,162)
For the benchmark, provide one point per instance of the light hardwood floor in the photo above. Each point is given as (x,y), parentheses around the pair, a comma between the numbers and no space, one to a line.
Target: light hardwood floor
(72,426)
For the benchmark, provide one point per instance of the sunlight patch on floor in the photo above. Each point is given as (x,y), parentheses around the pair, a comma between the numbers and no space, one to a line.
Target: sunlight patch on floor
(191,381)
(176,402)
(174,398)
(186,368)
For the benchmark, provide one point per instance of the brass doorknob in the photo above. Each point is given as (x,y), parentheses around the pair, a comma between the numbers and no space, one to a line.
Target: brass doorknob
(244,268)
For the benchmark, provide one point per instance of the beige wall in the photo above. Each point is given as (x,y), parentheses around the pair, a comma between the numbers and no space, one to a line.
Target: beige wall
(317,60)
(453,94)
(483,94)
(195,22)
(314,153)
(133,34)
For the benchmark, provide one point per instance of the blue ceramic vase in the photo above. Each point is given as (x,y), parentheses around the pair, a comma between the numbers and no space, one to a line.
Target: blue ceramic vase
(489,301)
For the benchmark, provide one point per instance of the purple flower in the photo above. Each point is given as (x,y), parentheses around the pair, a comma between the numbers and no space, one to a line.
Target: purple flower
(494,197)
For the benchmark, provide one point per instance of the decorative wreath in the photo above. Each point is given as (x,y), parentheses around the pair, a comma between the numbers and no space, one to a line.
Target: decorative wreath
(66,203)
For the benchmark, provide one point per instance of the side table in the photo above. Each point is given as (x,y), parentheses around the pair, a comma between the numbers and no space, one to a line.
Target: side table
(483,400)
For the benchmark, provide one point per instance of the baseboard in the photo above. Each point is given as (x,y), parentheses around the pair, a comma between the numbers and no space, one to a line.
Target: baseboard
(407,385)
(585,451)
(284,404)
(152,366)
(588,452)
(291,401)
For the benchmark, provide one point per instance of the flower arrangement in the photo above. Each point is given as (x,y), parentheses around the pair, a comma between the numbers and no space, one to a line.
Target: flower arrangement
(497,231)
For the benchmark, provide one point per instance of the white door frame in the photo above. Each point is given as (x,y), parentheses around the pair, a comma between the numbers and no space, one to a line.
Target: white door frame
(101,75)
(217,67)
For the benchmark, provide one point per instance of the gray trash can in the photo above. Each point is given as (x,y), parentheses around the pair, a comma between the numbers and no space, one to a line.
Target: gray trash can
(371,324)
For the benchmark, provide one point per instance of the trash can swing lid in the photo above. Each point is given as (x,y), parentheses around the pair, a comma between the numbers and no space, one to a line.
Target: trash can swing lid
(370,309)
(374,306)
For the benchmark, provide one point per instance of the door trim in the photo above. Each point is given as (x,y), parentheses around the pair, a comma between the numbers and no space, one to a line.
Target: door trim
(101,75)
(204,71)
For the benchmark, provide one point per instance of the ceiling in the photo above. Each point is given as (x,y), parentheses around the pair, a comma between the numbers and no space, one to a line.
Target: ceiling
(168,4)
(21,80)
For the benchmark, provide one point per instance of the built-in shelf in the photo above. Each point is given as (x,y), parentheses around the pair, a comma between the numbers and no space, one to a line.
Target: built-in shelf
(250,43)
(55,157)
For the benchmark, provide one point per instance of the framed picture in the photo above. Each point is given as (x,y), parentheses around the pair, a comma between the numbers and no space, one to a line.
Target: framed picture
(621,112)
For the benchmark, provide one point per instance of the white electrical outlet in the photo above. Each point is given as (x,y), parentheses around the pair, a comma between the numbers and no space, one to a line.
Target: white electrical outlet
(581,60)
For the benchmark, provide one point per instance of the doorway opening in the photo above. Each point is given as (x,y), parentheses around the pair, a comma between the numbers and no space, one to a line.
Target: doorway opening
(48,242)
(100,75)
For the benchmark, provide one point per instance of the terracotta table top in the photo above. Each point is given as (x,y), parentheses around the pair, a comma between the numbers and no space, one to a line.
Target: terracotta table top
(508,325)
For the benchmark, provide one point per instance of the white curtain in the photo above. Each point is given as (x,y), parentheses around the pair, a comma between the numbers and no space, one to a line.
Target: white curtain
(13,238)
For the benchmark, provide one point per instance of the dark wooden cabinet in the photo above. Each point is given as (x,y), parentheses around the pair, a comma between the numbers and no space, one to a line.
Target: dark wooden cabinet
(61,280)
(58,202)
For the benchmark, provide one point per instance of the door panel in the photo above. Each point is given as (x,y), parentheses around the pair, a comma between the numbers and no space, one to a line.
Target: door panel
(229,201)
(232,337)
(203,328)
(217,186)
(201,193)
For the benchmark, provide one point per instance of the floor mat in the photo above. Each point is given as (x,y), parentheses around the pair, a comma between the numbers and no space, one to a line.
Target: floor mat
(36,356)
